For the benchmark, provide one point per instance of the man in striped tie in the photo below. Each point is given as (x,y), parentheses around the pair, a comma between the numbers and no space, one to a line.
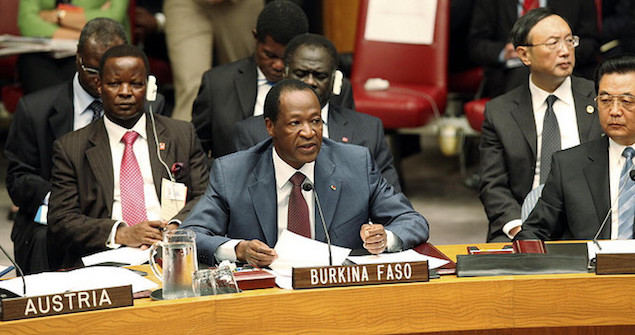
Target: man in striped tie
(594,181)
(116,181)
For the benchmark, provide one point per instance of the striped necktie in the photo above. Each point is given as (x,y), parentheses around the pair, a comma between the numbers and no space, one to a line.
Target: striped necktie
(626,200)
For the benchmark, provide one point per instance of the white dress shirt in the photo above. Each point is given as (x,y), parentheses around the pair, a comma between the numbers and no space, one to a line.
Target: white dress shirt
(82,116)
(263,88)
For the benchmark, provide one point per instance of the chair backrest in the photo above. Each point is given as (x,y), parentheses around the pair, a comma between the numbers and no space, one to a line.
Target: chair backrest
(400,62)
(530,202)
(9,17)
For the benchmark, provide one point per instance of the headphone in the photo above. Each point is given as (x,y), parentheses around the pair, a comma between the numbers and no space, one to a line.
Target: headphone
(151,95)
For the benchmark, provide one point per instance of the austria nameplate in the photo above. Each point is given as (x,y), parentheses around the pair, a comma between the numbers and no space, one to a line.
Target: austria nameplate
(64,303)
(350,275)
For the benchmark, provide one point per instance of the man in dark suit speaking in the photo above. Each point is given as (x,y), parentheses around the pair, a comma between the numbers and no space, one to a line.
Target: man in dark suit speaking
(313,59)
(112,183)
(552,110)
(254,195)
(588,181)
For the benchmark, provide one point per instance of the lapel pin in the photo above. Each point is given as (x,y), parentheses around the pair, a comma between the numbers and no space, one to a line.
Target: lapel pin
(345,139)
(590,109)
(162,146)
(333,187)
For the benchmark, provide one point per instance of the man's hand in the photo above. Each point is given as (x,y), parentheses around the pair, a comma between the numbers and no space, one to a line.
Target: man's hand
(143,233)
(515,230)
(255,253)
(374,238)
(49,15)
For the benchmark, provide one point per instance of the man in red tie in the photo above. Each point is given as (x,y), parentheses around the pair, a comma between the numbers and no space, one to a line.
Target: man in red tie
(112,182)
(254,195)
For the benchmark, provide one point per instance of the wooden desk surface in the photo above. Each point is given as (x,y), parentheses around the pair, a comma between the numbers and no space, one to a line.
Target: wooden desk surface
(534,304)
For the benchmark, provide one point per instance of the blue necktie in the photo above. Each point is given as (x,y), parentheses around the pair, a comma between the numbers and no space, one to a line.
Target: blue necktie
(626,200)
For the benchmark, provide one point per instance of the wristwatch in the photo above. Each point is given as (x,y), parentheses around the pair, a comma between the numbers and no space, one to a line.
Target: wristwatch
(61,14)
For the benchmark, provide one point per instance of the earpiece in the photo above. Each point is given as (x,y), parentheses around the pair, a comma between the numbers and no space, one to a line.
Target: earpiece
(151,88)
(337,82)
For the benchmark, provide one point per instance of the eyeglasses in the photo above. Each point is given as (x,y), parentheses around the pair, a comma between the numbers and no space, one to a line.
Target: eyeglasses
(627,101)
(569,42)
(89,70)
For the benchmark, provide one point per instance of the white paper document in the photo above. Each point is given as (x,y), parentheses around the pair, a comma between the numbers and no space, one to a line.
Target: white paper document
(401,21)
(611,247)
(297,251)
(124,255)
(94,277)
(404,256)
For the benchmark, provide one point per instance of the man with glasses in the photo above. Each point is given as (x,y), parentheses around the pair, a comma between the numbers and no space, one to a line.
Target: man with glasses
(489,45)
(592,182)
(552,110)
(40,119)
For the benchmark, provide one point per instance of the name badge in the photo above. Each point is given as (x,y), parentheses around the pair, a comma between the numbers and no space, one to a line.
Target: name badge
(173,197)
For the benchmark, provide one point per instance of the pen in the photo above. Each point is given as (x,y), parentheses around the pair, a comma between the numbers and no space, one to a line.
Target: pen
(7,270)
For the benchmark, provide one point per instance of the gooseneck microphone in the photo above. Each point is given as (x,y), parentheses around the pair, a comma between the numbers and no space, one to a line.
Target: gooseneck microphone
(595,239)
(308,186)
(18,269)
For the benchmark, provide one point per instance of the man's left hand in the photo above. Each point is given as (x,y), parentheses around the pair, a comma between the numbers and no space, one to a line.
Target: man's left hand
(374,238)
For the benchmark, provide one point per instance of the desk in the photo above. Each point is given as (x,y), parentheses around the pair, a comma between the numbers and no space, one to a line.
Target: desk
(564,304)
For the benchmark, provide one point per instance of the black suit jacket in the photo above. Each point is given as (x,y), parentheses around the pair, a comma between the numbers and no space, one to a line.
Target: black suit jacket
(80,210)
(492,21)
(227,95)
(345,125)
(508,149)
(40,119)
(576,196)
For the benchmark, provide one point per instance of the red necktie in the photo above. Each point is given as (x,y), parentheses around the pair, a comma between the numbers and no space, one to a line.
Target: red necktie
(529,5)
(133,204)
(298,215)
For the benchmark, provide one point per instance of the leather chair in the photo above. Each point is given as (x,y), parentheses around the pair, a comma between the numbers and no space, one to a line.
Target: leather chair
(418,77)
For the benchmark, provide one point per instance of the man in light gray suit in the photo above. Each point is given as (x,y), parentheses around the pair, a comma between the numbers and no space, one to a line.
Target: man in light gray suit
(512,144)
(313,59)
(248,201)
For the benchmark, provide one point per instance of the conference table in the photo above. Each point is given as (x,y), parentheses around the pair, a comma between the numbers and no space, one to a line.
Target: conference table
(582,303)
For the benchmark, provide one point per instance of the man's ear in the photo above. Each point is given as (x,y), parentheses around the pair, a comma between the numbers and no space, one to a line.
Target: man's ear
(523,55)
(269,124)
(98,80)
(255,34)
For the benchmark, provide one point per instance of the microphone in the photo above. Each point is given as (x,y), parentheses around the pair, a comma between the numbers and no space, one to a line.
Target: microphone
(595,239)
(6,293)
(308,186)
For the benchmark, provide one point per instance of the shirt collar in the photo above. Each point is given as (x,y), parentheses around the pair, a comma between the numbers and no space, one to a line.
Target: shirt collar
(262,80)
(325,113)
(563,93)
(116,131)
(81,96)
(284,171)
(616,149)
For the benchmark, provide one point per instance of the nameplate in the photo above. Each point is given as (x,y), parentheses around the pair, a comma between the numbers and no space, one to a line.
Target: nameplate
(64,303)
(608,264)
(350,275)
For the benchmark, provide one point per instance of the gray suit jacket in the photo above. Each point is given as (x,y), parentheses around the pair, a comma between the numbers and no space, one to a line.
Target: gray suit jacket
(508,149)
(80,211)
(227,95)
(240,200)
(576,196)
(345,125)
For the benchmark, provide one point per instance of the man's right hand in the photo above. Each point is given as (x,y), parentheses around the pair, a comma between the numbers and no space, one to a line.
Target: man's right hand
(255,253)
(143,233)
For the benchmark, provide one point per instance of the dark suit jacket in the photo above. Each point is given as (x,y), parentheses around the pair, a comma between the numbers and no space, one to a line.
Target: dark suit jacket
(40,119)
(240,200)
(227,95)
(508,149)
(345,125)
(492,21)
(576,197)
(80,210)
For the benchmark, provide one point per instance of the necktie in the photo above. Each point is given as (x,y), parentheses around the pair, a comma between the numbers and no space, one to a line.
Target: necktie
(626,200)
(550,139)
(298,215)
(529,5)
(133,205)
(98,109)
